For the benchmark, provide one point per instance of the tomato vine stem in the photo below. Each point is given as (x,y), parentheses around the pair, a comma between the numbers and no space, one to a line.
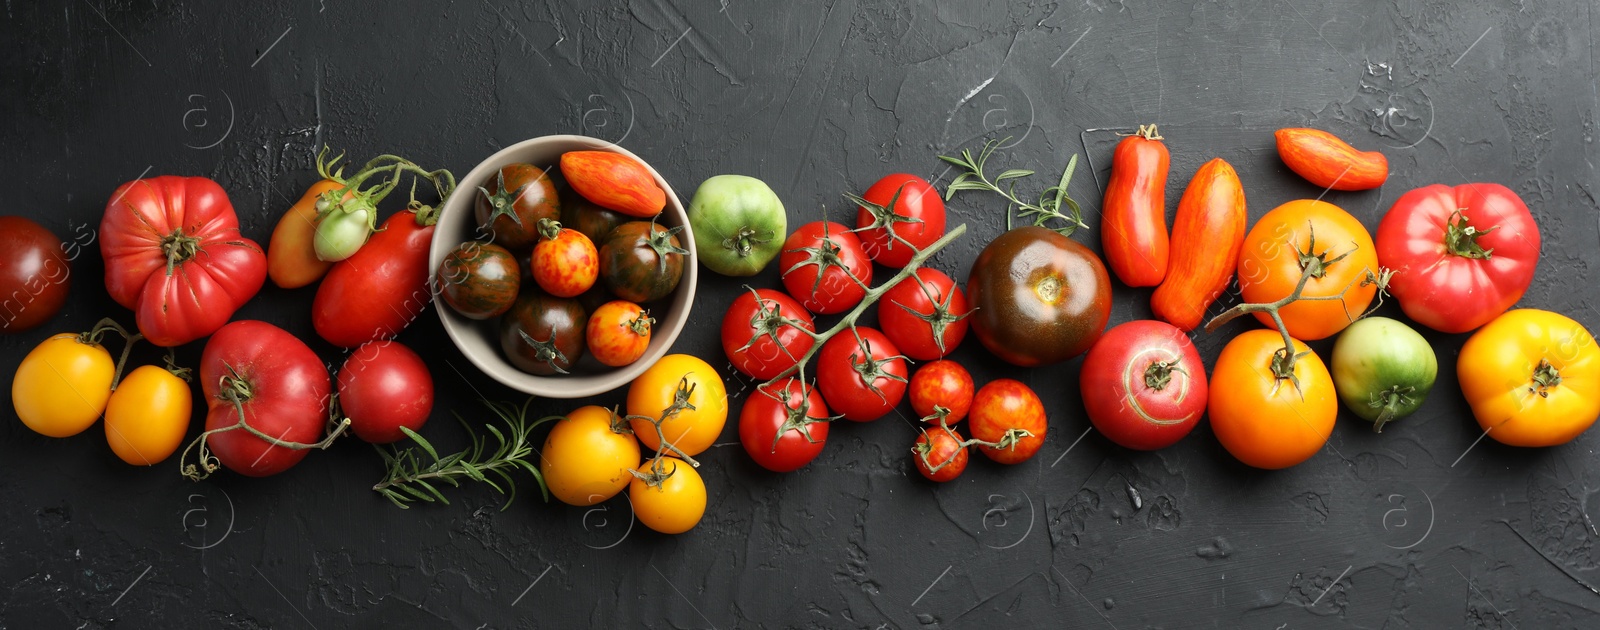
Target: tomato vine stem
(236,390)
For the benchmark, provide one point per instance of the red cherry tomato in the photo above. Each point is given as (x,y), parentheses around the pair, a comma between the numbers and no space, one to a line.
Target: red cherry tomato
(843,368)
(818,262)
(1143,385)
(384,386)
(945,384)
(1001,406)
(565,262)
(784,426)
(905,203)
(757,340)
(938,454)
(925,315)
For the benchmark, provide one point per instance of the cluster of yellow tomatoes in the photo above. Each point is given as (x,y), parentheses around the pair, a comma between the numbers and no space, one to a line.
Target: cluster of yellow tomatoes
(593,454)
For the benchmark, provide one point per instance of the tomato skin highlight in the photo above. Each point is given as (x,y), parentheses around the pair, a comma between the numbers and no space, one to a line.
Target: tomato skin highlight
(380,290)
(35,275)
(1038,297)
(842,384)
(1118,393)
(1270,265)
(943,383)
(142,221)
(148,416)
(765,412)
(289,396)
(1133,219)
(291,254)
(917,201)
(1532,378)
(771,352)
(835,292)
(902,308)
(1450,288)
(1004,404)
(615,181)
(384,386)
(1206,238)
(942,447)
(1261,422)
(62,385)
(1325,160)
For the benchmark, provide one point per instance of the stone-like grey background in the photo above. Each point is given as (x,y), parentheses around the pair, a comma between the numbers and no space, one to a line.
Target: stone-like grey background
(1392,530)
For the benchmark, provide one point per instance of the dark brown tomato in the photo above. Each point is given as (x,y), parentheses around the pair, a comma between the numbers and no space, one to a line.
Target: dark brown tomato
(479,280)
(543,334)
(641,261)
(589,219)
(508,207)
(34,275)
(1038,297)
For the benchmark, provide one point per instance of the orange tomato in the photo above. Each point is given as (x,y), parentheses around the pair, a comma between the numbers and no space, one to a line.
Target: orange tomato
(1316,237)
(696,424)
(619,332)
(291,260)
(1265,421)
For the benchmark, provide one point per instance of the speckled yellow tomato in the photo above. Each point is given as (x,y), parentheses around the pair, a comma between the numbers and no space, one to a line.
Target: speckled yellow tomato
(148,415)
(1265,421)
(676,505)
(675,376)
(565,262)
(62,386)
(587,456)
(1532,378)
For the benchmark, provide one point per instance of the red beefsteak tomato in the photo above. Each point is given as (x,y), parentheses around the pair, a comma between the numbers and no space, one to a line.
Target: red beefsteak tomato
(279,385)
(174,255)
(1461,255)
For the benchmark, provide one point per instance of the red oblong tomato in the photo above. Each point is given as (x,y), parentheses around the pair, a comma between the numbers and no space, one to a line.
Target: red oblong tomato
(1001,406)
(1325,160)
(819,260)
(939,447)
(1143,385)
(1461,255)
(759,333)
(861,375)
(1207,234)
(34,274)
(924,315)
(174,255)
(384,386)
(1133,219)
(1038,297)
(565,263)
(279,383)
(944,384)
(784,426)
(907,204)
(377,292)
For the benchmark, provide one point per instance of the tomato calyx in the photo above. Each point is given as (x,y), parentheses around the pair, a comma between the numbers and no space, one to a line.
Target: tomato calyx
(745,239)
(870,369)
(173,368)
(641,323)
(1313,263)
(1545,378)
(826,254)
(884,217)
(1461,239)
(797,418)
(1389,400)
(1159,374)
(921,449)
(546,351)
(940,317)
(236,390)
(178,248)
(504,201)
(768,320)
(549,229)
(1283,361)
(661,244)
(680,402)
(1148,132)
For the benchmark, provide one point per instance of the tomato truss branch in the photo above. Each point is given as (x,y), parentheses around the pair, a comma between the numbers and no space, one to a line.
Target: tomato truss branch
(921,449)
(680,402)
(94,335)
(236,390)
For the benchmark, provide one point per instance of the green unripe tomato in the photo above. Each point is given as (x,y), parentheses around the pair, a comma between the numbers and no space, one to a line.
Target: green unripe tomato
(340,233)
(1382,369)
(739,224)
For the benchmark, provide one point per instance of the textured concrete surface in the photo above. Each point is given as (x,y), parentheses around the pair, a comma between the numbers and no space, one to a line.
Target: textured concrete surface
(1412,528)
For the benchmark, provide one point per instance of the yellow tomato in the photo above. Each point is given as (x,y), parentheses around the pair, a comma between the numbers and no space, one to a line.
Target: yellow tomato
(62,386)
(692,430)
(1265,421)
(148,416)
(585,461)
(676,505)
(1532,378)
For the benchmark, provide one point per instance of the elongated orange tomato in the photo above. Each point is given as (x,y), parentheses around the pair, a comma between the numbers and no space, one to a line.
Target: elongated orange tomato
(1133,222)
(1325,160)
(615,181)
(291,260)
(1265,420)
(1206,237)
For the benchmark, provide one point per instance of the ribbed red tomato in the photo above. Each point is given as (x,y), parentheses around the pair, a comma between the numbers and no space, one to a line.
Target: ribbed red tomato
(276,382)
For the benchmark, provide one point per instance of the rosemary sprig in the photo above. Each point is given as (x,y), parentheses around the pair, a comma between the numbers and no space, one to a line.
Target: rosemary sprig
(1042,212)
(409,479)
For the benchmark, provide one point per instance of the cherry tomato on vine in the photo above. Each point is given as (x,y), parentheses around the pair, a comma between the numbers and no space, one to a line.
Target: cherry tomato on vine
(759,333)
(861,375)
(587,456)
(784,426)
(619,332)
(62,386)
(677,504)
(825,268)
(924,315)
(675,381)
(945,384)
(565,262)
(939,455)
(148,415)
(1000,407)
(906,204)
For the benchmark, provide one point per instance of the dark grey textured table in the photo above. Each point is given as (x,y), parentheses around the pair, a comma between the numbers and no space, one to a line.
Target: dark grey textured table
(1412,528)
